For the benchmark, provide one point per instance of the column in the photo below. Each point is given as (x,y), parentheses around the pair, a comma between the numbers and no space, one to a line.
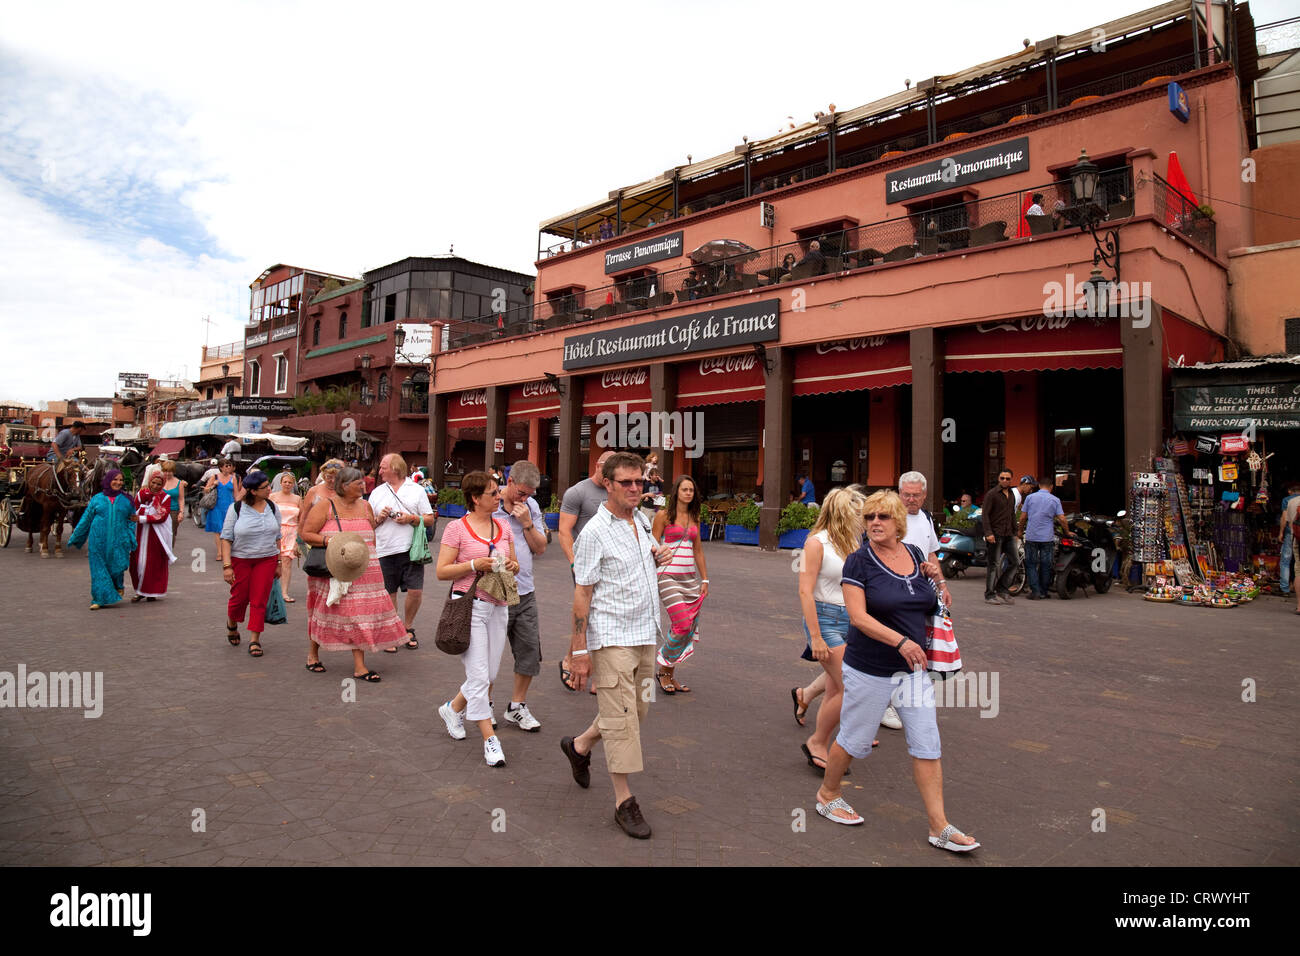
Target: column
(496,427)
(1024,424)
(663,400)
(1143,390)
(927,411)
(883,448)
(535,451)
(777,424)
(570,464)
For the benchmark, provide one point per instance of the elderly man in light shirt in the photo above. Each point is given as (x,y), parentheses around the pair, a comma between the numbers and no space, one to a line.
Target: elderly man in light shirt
(616,628)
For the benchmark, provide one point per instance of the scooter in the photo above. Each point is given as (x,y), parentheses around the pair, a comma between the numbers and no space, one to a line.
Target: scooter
(961,548)
(1086,554)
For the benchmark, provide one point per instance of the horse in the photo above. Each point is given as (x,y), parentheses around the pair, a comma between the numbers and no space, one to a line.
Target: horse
(47,504)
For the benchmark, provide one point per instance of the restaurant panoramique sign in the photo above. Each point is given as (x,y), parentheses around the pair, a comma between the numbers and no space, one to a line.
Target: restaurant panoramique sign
(740,324)
(951,172)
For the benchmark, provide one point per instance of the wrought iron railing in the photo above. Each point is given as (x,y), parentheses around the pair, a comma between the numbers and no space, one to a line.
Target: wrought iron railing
(1180,213)
(957,226)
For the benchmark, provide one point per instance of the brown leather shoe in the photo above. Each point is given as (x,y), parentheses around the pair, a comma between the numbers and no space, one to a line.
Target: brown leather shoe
(581,763)
(628,816)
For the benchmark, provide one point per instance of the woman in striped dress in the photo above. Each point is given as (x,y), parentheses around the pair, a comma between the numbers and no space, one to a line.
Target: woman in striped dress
(683,581)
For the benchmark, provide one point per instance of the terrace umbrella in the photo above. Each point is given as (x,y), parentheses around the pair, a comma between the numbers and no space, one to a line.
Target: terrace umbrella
(717,249)
(1174,208)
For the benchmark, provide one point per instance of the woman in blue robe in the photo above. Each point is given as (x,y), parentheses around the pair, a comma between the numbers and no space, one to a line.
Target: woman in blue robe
(109,527)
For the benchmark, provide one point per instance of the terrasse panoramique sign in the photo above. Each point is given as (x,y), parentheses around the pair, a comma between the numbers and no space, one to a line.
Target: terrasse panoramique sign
(950,172)
(643,253)
(740,324)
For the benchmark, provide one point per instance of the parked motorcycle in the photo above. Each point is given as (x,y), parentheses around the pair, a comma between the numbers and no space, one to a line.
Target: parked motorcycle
(1086,554)
(961,547)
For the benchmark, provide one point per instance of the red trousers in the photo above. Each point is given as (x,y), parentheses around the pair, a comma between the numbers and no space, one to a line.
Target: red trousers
(251,590)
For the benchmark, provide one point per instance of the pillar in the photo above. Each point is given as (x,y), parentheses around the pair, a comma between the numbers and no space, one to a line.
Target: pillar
(927,411)
(1143,390)
(570,463)
(496,427)
(437,437)
(535,450)
(1024,424)
(778,394)
(883,448)
(663,400)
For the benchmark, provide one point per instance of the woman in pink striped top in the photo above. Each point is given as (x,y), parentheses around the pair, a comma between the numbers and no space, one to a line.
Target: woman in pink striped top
(683,581)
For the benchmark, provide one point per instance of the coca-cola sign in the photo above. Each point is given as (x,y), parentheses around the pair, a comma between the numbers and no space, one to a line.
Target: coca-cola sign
(851,345)
(723,364)
(1030,323)
(476,396)
(624,378)
(538,389)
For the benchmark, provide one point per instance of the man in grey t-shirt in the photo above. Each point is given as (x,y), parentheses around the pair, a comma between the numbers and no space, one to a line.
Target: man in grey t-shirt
(577,507)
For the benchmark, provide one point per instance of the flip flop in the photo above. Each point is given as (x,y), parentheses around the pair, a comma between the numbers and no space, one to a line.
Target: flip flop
(565,677)
(411,643)
(800,711)
(316,667)
(370,677)
(839,803)
(289,600)
(812,761)
(943,842)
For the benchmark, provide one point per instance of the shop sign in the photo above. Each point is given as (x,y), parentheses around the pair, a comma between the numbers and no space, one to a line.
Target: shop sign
(261,407)
(720,379)
(727,327)
(284,332)
(643,253)
(471,397)
(851,345)
(532,400)
(206,408)
(127,380)
(417,346)
(260,338)
(1270,406)
(952,172)
(624,386)
(538,390)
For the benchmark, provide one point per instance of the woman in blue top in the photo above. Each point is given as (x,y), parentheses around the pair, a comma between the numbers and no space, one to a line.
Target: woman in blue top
(889,595)
(175,489)
(228,492)
(108,527)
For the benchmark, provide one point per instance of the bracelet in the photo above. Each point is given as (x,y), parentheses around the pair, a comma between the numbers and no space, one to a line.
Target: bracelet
(577,653)
(901,643)
(704,581)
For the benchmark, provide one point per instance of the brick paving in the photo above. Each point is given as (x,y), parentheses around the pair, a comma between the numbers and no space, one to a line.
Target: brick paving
(1107,702)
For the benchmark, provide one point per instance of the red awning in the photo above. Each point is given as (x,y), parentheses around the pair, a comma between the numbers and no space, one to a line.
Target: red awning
(467,408)
(169,447)
(532,400)
(629,387)
(719,380)
(1187,344)
(1034,344)
(849,365)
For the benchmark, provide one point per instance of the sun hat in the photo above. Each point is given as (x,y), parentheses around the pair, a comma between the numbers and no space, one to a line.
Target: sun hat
(346,556)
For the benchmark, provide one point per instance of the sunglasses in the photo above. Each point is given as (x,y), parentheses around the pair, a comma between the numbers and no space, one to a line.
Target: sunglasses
(1007,478)
(629,482)
(878,516)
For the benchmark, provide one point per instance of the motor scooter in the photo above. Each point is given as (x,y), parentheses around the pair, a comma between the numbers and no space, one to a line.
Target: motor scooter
(961,547)
(1086,554)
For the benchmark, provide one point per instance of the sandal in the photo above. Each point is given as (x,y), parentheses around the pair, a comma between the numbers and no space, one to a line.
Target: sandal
(800,708)
(137,599)
(839,803)
(565,677)
(812,762)
(370,677)
(666,683)
(944,842)
(289,600)
(232,634)
(254,648)
(411,642)
(678,685)
(316,667)
(390,650)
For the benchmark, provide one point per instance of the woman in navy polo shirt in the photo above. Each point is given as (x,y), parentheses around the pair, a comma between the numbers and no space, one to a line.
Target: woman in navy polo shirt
(889,595)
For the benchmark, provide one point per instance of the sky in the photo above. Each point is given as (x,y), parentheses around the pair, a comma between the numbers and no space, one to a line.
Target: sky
(155,158)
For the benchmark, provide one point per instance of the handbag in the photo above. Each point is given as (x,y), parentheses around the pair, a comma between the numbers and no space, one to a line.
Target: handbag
(276,612)
(420,553)
(209,500)
(315,566)
(941,643)
(454,624)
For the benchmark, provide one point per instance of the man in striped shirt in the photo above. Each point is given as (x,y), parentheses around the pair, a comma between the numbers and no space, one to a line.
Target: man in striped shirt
(616,628)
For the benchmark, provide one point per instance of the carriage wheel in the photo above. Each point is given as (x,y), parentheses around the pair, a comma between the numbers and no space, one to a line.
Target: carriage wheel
(6,523)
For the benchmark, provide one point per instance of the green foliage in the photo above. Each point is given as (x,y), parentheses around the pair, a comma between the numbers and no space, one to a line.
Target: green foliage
(308,403)
(451,496)
(963,522)
(796,516)
(704,513)
(554,506)
(337,399)
(746,516)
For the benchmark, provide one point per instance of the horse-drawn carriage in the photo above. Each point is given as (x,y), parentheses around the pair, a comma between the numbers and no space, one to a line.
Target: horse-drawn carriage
(33,497)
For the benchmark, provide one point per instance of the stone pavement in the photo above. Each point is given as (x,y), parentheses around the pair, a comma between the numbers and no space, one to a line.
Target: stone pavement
(1104,704)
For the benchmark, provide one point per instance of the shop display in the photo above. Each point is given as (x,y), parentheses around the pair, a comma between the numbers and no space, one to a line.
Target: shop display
(1147,510)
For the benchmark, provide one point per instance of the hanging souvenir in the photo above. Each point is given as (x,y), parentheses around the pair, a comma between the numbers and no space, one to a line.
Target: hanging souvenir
(1228,471)
(1232,444)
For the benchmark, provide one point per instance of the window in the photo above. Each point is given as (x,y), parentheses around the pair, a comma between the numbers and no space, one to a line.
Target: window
(390,308)
(315,333)
(254,378)
(383,386)
(209,393)
(230,391)
(281,374)
(343,325)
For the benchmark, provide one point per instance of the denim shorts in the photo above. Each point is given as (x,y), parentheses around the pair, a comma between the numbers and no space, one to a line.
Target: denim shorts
(833,621)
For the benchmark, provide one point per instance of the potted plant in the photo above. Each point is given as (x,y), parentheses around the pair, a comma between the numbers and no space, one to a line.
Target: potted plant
(705,521)
(796,519)
(742,524)
(552,513)
(451,502)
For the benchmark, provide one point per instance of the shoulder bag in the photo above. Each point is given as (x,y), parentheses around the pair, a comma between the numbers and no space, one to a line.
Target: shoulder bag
(454,624)
(315,566)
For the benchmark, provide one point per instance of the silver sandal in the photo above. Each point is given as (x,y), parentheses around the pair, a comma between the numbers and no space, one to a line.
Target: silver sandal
(839,803)
(943,842)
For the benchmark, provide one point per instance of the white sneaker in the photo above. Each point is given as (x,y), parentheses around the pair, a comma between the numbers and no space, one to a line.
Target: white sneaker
(521,718)
(492,752)
(455,722)
(891,719)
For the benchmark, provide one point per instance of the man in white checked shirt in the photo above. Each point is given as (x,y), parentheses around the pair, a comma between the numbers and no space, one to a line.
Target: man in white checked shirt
(616,628)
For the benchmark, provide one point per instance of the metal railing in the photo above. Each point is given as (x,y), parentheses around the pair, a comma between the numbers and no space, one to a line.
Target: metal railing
(223,351)
(945,229)
(1179,213)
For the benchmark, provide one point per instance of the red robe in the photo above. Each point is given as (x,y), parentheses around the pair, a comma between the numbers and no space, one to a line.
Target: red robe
(153,550)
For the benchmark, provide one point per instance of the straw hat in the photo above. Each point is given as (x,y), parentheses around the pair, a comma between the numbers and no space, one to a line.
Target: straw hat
(346,556)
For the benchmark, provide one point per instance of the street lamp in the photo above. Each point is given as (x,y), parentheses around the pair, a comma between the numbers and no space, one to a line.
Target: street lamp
(399,337)
(365,360)
(1084,177)
(225,370)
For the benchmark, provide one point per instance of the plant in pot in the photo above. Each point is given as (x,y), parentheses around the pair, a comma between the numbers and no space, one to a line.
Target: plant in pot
(552,513)
(796,519)
(451,502)
(705,521)
(742,524)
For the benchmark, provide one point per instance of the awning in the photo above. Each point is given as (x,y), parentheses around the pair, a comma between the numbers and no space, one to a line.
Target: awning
(123,433)
(278,442)
(1187,344)
(532,400)
(1033,344)
(628,387)
(467,408)
(720,380)
(214,425)
(849,365)
(169,447)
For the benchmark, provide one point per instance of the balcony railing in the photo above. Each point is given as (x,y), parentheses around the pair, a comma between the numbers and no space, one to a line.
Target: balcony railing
(957,226)
(1179,213)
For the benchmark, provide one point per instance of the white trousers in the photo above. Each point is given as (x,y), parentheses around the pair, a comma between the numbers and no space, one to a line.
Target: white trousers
(487,642)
